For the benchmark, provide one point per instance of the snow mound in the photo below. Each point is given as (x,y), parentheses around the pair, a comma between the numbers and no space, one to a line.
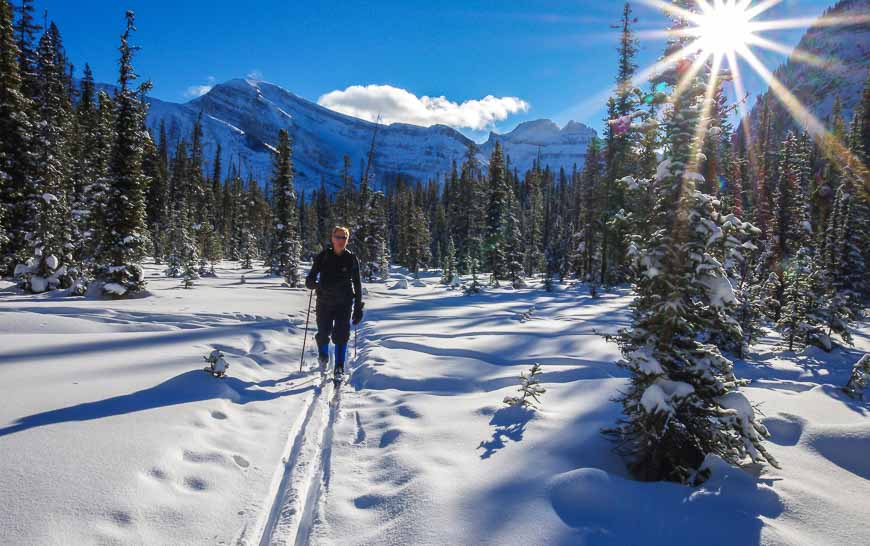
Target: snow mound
(401,284)
(600,504)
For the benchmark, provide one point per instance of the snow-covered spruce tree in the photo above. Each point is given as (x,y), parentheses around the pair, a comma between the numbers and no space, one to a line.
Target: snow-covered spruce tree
(286,247)
(586,239)
(97,191)
(512,244)
(448,263)
(87,158)
(418,254)
(473,267)
(156,167)
(682,403)
(496,215)
(859,378)
(50,242)
(534,222)
(795,317)
(370,237)
(248,244)
(530,389)
(15,138)
(119,266)
(732,245)
(183,256)
(619,154)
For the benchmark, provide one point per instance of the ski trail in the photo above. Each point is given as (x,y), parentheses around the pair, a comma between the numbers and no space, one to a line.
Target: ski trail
(320,478)
(300,481)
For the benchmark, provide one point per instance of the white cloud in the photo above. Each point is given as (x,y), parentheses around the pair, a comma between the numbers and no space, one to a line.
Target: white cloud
(399,105)
(254,74)
(199,90)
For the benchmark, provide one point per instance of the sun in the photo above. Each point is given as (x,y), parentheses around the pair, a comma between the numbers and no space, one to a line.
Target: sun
(723,27)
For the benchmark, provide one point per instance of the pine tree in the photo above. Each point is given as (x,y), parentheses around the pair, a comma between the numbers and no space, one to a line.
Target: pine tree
(156,166)
(794,321)
(287,247)
(26,30)
(473,266)
(619,157)
(683,401)
(247,238)
(50,240)
(530,389)
(15,142)
(588,219)
(119,267)
(859,378)
(534,235)
(497,215)
(513,244)
(448,263)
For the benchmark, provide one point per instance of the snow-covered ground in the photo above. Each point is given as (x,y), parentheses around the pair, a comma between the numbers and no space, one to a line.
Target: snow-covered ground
(110,433)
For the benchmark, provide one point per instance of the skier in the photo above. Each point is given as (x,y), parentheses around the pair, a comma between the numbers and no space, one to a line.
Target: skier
(335,277)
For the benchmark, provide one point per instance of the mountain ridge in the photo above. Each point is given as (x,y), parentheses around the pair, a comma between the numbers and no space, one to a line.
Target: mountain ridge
(244,115)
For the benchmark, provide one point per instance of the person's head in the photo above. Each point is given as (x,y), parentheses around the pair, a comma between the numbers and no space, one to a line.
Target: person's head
(340,237)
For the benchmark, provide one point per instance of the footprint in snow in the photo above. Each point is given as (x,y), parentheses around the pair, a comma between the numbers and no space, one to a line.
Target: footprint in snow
(158,473)
(241,461)
(389,437)
(219,415)
(195,483)
(124,519)
(203,457)
(407,411)
(368,501)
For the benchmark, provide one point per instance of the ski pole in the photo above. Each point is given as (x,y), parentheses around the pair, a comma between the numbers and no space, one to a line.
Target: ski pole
(355,332)
(305,337)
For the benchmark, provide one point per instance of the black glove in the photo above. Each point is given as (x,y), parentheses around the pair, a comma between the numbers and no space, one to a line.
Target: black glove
(310,284)
(357,312)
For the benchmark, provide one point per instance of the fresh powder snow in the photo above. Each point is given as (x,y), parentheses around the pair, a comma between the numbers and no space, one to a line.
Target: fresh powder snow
(112,433)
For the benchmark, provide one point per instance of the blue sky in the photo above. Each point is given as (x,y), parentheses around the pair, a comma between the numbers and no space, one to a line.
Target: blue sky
(557,57)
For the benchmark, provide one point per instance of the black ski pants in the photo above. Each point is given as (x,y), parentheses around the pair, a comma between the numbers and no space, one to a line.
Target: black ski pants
(334,319)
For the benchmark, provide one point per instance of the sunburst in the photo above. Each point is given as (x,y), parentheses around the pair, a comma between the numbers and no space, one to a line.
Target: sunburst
(723,33)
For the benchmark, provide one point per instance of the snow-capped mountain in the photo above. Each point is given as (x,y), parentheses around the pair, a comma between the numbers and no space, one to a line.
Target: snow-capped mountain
(558,148)
(244,117)
(843,59)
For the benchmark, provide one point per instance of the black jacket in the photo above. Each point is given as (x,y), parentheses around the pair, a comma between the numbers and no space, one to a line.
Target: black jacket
(339,281)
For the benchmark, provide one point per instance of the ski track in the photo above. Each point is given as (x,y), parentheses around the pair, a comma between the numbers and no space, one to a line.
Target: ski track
(306,473)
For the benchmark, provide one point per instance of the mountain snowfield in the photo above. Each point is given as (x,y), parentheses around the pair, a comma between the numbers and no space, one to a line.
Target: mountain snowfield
(111,433)
(244,116)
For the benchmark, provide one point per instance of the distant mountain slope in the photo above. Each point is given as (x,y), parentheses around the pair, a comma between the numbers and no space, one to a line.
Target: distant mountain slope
(558,148)
(844,51)
(244,116)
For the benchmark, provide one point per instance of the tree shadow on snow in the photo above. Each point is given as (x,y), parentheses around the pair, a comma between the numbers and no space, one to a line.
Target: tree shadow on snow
(191,386)
(510,424)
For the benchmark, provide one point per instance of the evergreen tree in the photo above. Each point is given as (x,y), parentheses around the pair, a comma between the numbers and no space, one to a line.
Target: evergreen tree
(47,268)
(285,259)
(497,215)
(15,142)
(534,235)
(619,157)
(513,244)
(683,401)
(530,389)
(119,266)
(448,263)
(586,238)
(156,165)
(25,31)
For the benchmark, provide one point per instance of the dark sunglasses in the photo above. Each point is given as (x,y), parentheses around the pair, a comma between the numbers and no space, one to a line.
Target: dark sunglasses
(339,237)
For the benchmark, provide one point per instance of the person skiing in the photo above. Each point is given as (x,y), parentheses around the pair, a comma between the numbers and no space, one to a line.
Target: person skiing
(335,277)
